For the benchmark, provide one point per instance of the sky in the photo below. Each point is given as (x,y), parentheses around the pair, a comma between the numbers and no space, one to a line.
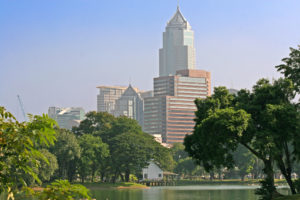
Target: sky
(56,52)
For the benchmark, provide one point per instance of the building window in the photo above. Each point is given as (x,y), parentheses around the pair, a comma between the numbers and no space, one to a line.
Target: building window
(145,176)
(159,175)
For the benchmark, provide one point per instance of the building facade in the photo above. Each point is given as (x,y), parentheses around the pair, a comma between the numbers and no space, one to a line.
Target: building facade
(106,99)
(131,105)
(178,50)
(171,111)
(67,117)
(152,172)
(123,101)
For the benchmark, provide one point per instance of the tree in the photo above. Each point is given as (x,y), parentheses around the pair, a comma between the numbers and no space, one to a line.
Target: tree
(185,166)
(99,122)
(130,152)
(93,154)
(244,160)
(291,68)
(60,189)
(47,169)
(119,126)
(275,123)
(67,152)
(261,121)
(18,150)
(161,155)
(178,152)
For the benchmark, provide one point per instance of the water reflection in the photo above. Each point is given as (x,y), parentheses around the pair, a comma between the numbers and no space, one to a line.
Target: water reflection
(203,192)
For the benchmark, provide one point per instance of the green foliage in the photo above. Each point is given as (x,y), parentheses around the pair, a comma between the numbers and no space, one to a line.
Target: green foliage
(130,152)
(264,121)
(47,169)
(297,185)
(291,68)
(244,160)
(216,137)
(162,155)
(130,148)
(67,152)
(267,190)
(60,189)
(178,152)
(185,166)
(93,154)
(95,122)
(18,142)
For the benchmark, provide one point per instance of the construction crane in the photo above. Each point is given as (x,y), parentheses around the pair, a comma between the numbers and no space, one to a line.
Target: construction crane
(22,107)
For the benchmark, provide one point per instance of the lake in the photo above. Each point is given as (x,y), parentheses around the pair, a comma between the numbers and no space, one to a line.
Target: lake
(199,192)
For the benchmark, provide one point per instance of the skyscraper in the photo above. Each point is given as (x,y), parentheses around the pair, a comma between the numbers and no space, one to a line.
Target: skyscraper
(178,50)
(67,117)
(130,104)
(171,111)
(122,101)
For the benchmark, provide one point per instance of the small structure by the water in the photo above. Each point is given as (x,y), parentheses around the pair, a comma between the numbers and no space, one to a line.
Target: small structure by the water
(152,172)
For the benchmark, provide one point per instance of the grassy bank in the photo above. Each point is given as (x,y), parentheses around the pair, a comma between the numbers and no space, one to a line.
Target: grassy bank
(224,181)
(292,197)
(114,185)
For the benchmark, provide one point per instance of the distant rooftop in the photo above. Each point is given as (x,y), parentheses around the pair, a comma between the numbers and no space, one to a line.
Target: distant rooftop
(118,87)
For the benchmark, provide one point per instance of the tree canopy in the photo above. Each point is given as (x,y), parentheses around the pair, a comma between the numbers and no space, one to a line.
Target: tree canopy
(264,121)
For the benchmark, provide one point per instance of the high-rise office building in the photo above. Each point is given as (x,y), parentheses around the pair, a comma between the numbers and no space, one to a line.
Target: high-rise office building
(106,99)
(66,117)
(171,111)
(178,50)
(123,101)
(131,105)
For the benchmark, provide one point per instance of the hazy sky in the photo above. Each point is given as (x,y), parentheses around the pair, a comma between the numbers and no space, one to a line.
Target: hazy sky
(55,52)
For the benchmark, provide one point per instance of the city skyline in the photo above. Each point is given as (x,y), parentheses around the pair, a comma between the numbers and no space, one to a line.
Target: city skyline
(56,53)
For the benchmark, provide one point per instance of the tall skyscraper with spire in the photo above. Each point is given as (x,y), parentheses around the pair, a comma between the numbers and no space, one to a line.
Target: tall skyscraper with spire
(171,111)
(178,50)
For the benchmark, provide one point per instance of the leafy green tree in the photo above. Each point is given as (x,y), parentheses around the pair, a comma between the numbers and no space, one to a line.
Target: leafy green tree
(18,148)
(67,152)
(262,121)
(161,155)
(178,152)
(257,171)
(47,169)
(130,152)
(60,189)
(291,67)
(185,166)
(93,154)
(244,160)
(119,126)
(95,122)
(275,123)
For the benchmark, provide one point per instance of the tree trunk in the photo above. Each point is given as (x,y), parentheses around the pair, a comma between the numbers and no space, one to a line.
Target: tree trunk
(102,174)
(127,175)
(114,178)
(268,170)
(211,176)
(287,175)
(122,177)
(93,175)
(220,175)
(242,177)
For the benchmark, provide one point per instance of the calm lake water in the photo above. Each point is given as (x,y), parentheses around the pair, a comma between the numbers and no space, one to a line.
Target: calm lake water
(203,192)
